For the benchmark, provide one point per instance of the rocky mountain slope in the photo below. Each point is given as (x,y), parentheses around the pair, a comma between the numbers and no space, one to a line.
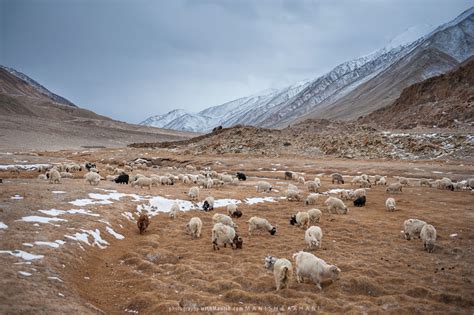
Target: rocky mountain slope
(31,117)
(445,101)
(352,89)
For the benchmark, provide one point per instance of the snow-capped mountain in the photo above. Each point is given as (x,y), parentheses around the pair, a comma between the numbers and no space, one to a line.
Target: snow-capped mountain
(38,87)
(352,88)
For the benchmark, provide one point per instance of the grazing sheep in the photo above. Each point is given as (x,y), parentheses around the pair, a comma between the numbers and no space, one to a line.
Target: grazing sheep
(377,178)
(317,181)
(261,224)
(227,179)
(282,271)
(233,211)
(314,215)
(288,175)
(393,188)
(403,181)
(336,204)
(428,236)
(241,176)
(264,186)
(294,176)
(336,177)
(360,192)
(223,234)
(390,204)
(93,169)
(137,176)
(208,204)
(412,228)
(143,222)
(360,201)
(293,194)
(89,165)
(313,236)
(92,178)
(311,199)
(224,219)
(347,194)
(313,186)
(460,185)
(119,171)
(470,183)
(143,182)
(194,227)
(300,219)
(174,210)
(445,183)
(122,179)
(54,176)
(301,180)
(382,181)
(186,180)
(364,183)
(365,177)
(356,180)
(310,266)
(193,193)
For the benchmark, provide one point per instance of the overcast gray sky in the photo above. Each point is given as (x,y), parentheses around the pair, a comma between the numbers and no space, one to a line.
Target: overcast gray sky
(132,59)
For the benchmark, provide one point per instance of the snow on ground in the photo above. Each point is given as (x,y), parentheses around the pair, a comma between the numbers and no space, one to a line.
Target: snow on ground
(115,234)
(58,192)
(7,167)
(16,197)
(24,273)
(3,226)
(23,255)
(34,218)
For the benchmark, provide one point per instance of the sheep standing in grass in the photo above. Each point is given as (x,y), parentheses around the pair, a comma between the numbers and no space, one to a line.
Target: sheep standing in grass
(223,234)
(314,215)
(174,210)
(54,176)
(282,271)
(233,211)
(390,204)
(264,186)
(311,199)
(314,268)
(313,236)
(394,188)
(256,223)
(194,227)
(300,219)
(92,178)
(336,177)
(428,236)
(143,182)
(335,204)
(224,219)
(143,222)
(412,228)
(194,193)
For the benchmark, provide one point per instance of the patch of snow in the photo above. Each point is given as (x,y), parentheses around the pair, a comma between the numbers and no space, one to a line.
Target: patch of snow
(85,202)
(16,197)
(84,237)
(50,244)
(28,244)
(112,232)
(39,219)
(58,192)
(6,167)
(3,226)
(254,200)
(21,254)
(24,273)
(55,278)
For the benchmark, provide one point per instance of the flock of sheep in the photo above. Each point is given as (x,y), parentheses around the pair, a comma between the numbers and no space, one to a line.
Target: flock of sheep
(224,230)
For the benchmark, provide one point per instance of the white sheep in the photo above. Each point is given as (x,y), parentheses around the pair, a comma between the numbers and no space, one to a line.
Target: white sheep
(393,188)
(300,219)
(208,204)
(282,271)
(356,180)
(382,181)
(336,204)
(118,171)
(224,219)
(194,227)
(155,180)
(428,236)
(260,224)
(174,210)
(445,183)
(111,178)
(264,186)
(42,177)
(360,192)
(194,193)
(227,179)
(233,211)
(92,178)
(313,186)
(186,180)
(470,183)
(143,182)
(364,183)
(412,228)
(310,266)
(54,176)
(425,182)
(222,235)
(390,204)
(365,177)
(301,180)
(347,194)
(317,181)
(293,194)
(313,236)
(314,215)
(66,175)
(403,181)
(311,199)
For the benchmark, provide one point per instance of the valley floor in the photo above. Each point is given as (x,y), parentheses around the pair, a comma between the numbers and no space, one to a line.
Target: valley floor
(95,261)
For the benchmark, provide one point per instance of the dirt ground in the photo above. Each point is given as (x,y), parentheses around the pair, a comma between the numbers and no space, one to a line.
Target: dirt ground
(165,271)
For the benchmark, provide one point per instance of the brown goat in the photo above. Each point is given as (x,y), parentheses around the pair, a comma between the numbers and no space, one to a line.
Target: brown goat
(143,222)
